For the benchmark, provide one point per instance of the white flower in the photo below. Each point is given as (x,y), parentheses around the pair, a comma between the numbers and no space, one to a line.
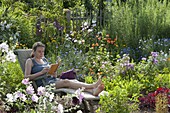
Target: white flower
(79,111)
(17,95)
(10,97)
(90,30)
(51,97)
(75,40)
(8,26)
(60,108)
(4,47)
(11,56)
(85,24)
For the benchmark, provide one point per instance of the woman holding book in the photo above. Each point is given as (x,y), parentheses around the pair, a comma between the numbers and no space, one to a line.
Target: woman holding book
(38,65)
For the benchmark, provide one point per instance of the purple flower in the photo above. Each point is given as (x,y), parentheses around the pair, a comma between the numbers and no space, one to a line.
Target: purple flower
(34,98)
(17,95)
(30,89)
(25,81)
(155,61)
(79,94)
(130,66)
(154,54)
(23,97)
(41,90)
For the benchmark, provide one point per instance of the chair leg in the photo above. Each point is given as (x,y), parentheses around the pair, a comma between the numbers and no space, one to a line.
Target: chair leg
(91,106)
(85,106)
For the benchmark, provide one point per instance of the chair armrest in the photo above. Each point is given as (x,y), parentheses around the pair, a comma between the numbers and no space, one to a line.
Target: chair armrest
(38,78)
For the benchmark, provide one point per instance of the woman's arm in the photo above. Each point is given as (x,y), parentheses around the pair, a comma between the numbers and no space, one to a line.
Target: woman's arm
(28,67)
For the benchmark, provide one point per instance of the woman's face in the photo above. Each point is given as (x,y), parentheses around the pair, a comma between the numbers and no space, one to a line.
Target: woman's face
(39,53)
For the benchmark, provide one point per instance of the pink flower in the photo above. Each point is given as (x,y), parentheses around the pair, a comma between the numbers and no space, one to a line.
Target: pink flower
(34,98)
(79,94)
(25,81)
(41,90)
(30,89)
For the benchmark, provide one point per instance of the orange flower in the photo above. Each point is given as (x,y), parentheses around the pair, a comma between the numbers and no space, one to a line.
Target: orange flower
(92,73)
(93,45)
(108,41)
(97,44)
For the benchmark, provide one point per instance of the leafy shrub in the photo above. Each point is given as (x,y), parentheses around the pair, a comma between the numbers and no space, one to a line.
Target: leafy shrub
(116,102)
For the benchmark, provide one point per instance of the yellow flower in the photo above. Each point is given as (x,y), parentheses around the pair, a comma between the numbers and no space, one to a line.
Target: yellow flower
(168,59)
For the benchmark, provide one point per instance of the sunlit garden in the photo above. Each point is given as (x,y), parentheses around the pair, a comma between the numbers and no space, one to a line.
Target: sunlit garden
(124,42)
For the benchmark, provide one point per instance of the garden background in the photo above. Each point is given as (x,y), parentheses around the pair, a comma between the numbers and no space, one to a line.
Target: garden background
(126,42)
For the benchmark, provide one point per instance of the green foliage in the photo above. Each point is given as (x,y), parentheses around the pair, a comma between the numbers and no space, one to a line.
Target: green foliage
(10,77)
(142,20)
(116,102)
(141,26)
(99,63)
(71,57)
(11,74)
(162,80)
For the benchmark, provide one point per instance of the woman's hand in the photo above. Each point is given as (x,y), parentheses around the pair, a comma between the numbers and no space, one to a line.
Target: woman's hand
(45,70)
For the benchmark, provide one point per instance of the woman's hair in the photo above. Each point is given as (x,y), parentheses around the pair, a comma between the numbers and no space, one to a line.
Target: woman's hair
(34,47)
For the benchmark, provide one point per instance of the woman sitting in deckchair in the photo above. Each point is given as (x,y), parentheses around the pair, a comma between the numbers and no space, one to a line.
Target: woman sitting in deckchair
(38,66)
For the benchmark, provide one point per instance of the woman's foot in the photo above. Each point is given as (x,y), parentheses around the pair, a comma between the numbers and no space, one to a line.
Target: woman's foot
(98,90)
(98,83)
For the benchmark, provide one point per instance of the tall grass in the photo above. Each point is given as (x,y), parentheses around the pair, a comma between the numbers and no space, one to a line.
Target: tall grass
(139,20)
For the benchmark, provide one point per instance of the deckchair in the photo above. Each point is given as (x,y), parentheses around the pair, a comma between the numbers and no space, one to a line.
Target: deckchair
(89,99)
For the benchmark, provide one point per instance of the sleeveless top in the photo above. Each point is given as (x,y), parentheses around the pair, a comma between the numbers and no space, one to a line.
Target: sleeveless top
(39,67)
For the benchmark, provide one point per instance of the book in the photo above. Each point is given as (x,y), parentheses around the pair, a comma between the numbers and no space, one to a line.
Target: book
(54,67)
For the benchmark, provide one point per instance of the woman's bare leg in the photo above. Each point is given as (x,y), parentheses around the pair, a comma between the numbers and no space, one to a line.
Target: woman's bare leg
(76,84)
